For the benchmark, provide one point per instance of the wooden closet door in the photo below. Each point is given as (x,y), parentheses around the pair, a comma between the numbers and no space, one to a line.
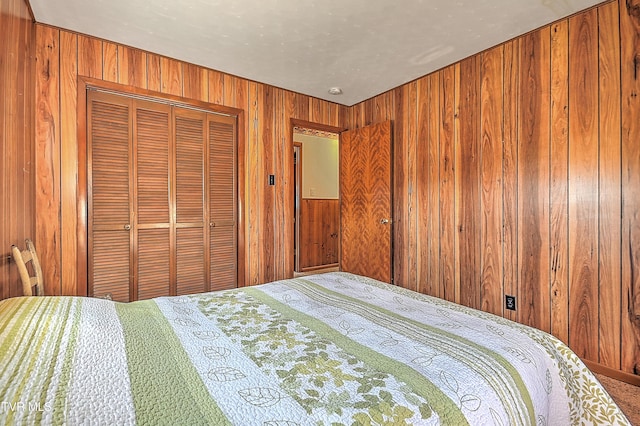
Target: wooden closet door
(191,233)
(108,178)
(153,264)
(221,188)
(162,199)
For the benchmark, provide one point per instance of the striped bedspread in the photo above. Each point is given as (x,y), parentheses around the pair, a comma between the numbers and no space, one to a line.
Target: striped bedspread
(321,350)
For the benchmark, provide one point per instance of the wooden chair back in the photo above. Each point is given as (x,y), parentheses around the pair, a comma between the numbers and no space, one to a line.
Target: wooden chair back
(31,285)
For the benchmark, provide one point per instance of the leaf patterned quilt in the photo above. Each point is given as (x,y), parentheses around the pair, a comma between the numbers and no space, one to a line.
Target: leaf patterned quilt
(329,349)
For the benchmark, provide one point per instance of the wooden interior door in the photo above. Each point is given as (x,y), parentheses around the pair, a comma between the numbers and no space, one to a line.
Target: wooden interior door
(366,202)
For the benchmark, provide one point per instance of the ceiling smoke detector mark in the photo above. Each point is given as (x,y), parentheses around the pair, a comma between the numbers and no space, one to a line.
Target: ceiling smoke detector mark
(335,91)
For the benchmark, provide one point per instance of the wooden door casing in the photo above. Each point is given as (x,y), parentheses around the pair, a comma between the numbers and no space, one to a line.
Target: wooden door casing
(366,221)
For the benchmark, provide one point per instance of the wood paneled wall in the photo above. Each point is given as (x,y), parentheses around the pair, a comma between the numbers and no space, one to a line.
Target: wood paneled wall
(62,56)
(16,138)
(517,172)
(319,232)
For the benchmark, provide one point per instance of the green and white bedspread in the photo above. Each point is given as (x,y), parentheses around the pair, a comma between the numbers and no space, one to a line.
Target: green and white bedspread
(324,350)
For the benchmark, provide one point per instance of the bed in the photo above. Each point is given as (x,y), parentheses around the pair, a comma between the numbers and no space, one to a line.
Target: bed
(325,349)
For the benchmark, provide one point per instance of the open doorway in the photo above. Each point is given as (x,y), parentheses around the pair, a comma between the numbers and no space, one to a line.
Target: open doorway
(316,197)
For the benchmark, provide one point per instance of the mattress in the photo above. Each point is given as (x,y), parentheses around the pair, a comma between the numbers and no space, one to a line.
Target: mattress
(325,349)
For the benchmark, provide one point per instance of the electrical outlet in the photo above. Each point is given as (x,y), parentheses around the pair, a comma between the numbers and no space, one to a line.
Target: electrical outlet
(510,302)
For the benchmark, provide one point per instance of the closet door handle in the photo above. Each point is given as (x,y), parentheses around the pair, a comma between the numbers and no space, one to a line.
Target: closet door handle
(384,221)
(127,227)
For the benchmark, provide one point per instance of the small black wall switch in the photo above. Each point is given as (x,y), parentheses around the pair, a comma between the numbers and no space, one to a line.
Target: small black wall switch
(510,302)
(272,179)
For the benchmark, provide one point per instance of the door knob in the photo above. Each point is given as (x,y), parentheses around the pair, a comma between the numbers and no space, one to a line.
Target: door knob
(384,221)
(127,227)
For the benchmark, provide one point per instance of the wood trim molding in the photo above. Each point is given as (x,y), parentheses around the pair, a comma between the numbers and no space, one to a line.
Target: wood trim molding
(133,91)
(315,268)
(295,122)
(623,376)
(86,83)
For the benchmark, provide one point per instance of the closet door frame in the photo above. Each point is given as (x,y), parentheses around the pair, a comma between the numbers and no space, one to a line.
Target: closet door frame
(84,85)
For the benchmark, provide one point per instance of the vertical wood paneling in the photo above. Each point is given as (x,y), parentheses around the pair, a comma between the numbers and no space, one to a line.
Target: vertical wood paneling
(559,159)
(383,107)
(254,186)
(132,67)
(216,87)
(424,167)
(319,230)
(229,95)
(171,76)
(302,107)
(47,198)
(411,168)
(510,102)
(630,75)
(533,180)
(282,163)
(68,159)
(468,187)
(17,170)
(563,201)
(583,200)
(89,57)
(491,90)
(457,169)
(196,83)
(400,188)
(154,78)
(433,190)
(447,186)
(315,110)
(610,195)
(110,62)
(357,115)
(265,98)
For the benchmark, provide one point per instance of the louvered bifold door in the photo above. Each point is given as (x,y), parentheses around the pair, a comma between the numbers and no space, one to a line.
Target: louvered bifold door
(222,202)
(152,198)
(109,208)
(191,267)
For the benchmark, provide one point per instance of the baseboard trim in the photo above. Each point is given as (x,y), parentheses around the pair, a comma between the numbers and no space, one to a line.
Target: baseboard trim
(623,376)
(315,268)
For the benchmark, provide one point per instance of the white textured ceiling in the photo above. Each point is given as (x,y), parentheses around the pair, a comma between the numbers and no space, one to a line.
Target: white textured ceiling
(366,47)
